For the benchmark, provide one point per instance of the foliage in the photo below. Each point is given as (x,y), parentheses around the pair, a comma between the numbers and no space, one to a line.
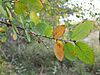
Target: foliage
(30,24)
(23,23)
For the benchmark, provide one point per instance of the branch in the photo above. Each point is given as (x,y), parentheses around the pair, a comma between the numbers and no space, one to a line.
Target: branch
(8,24)
(32,33)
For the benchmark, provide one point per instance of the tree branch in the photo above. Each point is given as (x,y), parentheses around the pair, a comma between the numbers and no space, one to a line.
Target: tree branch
(32,33)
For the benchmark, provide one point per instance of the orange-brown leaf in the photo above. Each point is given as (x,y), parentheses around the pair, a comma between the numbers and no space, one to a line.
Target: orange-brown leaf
(59,50)
(58,31)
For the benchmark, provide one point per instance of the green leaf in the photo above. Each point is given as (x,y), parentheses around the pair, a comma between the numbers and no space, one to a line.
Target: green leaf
(27,36)
(48,31)
(69,51)
(20,7)
(82,30)
(84,52)
(41,27)
(44,29)
(35,5)
(33,17)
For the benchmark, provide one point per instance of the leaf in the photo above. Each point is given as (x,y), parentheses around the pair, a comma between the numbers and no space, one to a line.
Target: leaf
(82,30)
(58,31)
(69,51)
(59,50)
(84,52)
(44,29)
(2,29)
(9,14)
(20,7)
(35,5)
(33,17)
(48,31)
(40,27)
(14,36)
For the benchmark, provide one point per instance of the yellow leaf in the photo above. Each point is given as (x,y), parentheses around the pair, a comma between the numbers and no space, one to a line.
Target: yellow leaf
(2,30)
(33,17)
(59,50)
(14,36)
(58,31)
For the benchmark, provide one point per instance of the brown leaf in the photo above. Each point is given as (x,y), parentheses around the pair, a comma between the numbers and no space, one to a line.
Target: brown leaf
(59,50)
(58,31)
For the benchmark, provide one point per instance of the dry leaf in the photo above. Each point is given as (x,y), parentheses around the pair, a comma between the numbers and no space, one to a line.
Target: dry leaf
(58,31)
(59,50)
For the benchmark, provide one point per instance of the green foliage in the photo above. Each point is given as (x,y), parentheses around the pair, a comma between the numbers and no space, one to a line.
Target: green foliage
(44,29)
(84,52)
(33,17)
(22,7)
(24,22)
(48,31)
(82,30)
(80,50)
(35,5)
(69,50)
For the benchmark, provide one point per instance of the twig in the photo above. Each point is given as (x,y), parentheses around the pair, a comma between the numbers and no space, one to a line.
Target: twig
(31,32)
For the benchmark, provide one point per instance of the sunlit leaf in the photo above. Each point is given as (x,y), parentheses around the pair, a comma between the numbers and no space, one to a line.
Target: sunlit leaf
(84,52)
(59,50)
(82,30)
(69,51)
(33,17)
(58,31)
